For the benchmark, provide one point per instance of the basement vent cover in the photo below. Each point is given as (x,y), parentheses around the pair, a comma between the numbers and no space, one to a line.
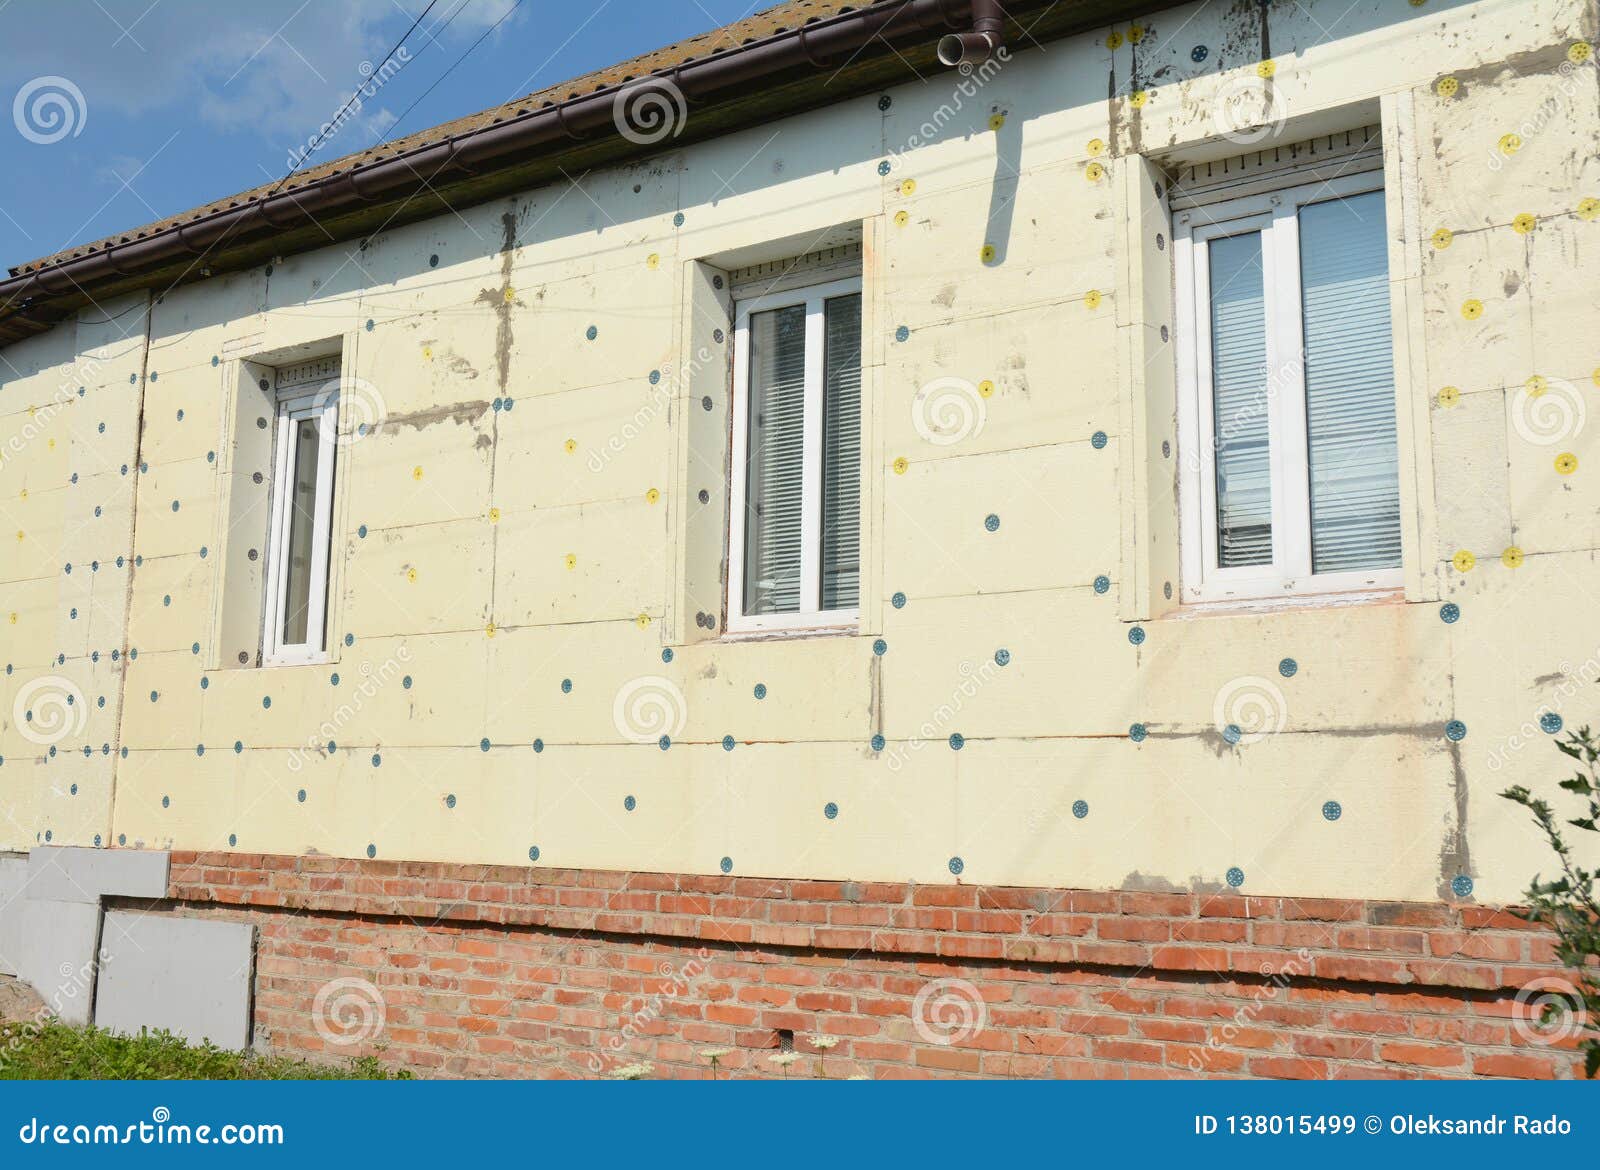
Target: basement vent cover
(310,373)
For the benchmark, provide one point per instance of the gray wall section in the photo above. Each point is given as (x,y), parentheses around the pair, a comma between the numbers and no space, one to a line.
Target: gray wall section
(13,879)
(127,969)
(50,916)
(190,976)
(73,874)
(58,949)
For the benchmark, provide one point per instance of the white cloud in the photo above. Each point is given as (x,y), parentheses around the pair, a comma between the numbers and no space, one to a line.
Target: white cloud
(278,67)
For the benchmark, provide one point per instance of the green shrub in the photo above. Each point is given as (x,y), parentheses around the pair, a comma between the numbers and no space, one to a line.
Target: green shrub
(51,1050)
(1567,903)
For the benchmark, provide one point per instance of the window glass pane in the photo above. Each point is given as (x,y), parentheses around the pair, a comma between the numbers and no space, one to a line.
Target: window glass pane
(305,452)
(1239,386)
(841,455)
(775,465)
(1350,417)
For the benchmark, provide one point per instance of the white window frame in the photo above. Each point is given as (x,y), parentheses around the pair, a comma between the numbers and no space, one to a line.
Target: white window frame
(1276,214)
(294,407)
(811,616)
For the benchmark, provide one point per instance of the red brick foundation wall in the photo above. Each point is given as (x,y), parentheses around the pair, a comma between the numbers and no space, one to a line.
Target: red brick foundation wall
(507,971)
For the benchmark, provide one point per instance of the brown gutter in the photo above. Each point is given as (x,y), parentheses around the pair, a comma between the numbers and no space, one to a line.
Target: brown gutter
(28,302)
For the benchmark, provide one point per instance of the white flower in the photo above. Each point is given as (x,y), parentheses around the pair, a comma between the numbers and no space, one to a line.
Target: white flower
(784,1059)
(633,1072)
(824,1042)
(716,1054)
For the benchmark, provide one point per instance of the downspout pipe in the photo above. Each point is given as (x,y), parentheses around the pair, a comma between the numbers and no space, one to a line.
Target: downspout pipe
(981,43)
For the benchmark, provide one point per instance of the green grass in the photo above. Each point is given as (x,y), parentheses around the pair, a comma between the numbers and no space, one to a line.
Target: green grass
(57,1051)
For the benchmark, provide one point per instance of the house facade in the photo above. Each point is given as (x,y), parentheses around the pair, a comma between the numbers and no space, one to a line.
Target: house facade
(1042,567)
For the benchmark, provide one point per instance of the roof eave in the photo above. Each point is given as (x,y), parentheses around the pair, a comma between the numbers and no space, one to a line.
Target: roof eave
(830,60)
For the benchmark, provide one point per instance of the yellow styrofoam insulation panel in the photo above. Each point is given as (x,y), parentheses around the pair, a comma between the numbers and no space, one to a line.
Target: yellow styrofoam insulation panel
(521,555)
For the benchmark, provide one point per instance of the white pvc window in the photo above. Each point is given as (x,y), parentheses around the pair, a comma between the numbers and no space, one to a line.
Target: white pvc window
(794,548)
(1287,401)
(295,629)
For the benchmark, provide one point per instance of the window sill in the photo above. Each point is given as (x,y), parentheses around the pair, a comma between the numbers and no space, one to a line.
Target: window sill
(787,635)
(291,663)
(1193,610)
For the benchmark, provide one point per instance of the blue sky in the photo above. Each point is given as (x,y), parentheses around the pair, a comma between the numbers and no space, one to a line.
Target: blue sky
(168,104)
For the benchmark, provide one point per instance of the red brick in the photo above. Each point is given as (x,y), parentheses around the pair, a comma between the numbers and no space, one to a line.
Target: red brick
(1362,970)
(972,948)
(1289,1067)
(817,891)
(1089,1024)
(1237,906)
(1334,1047)
(1410,914)
(480,987)
(1488,918)
(1157,905)
(1021,900)
(1443,973)
(1323,909)
(823,1001)
(1395,942)
(1185,1031)
(1374,1023)
(1133,929)
(995,922)
(1111,954)
(948,1059)
(1519,1065)
(957,897)
(1190,958)
(1494,946)
(1427,1055)
(1203,1060)
(1135,1051)
(1209,930)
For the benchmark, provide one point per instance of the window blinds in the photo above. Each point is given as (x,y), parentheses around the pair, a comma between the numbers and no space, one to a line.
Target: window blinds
(841,454)
(776,461)
(1239,392)
(1352,446)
